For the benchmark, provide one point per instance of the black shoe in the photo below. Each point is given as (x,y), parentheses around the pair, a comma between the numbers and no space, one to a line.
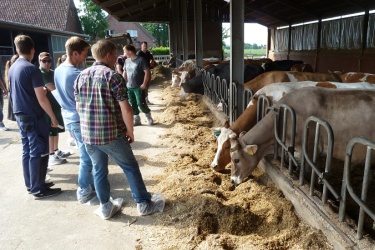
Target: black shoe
(47,185)
(47,193)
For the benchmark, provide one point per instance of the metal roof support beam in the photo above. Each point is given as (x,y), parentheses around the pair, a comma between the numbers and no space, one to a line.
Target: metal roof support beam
(185,45)
(172,29)
(198,33)
(237,17)
(178,29)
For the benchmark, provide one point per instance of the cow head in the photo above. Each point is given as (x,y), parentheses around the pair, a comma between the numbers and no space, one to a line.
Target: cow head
(243,159)
(222,156)
(176,79)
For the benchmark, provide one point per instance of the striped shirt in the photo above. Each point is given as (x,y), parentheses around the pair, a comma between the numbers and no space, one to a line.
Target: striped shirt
(97,91)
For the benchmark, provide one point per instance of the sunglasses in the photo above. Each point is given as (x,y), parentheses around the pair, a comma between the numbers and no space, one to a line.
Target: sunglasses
(46,61)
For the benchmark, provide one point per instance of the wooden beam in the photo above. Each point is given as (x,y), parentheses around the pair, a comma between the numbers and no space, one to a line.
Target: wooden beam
(298,8)
(110,3)
(138,7)
(130,17)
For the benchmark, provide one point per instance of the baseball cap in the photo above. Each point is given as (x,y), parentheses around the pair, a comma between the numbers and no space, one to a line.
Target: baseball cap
(44,55)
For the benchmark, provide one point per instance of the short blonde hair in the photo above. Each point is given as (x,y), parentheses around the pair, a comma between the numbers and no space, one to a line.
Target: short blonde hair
(75,43)
(24,44)
(101,48)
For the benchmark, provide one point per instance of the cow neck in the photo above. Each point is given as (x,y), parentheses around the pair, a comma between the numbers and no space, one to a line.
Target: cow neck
(262,135)
(247,119)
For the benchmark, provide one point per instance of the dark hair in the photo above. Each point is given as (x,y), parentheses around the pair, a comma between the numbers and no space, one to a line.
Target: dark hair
(144,42)
(130,47)
(60,60)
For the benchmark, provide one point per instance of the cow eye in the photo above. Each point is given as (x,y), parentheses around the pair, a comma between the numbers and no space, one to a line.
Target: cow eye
(236,160)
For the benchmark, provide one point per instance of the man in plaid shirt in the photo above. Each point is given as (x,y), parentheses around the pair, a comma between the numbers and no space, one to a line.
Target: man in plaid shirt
(107,130)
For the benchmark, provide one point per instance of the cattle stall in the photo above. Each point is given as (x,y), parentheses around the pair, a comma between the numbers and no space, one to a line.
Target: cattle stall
(344,206)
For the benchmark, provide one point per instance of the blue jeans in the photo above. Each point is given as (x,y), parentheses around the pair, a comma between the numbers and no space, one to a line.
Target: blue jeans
(120,151)
(1,106)
(85,177)
(34,136)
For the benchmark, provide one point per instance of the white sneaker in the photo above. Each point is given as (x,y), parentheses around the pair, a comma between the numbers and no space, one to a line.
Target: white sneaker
(2,127)
(150,121)
(48,178)
(72,142)
(49,169)
(62,154)
(137,120)
(55,160)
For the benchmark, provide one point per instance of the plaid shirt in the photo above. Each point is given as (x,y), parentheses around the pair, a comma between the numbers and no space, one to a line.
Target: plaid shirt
(97,90)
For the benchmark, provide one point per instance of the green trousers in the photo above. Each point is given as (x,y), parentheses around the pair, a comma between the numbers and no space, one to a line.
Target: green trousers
(137,99)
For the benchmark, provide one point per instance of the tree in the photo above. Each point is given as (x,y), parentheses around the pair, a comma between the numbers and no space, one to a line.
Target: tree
(159,31)
(224,35)
(92,19)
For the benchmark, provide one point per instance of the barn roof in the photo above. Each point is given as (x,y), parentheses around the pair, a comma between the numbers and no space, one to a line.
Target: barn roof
(51,14)
(270,13)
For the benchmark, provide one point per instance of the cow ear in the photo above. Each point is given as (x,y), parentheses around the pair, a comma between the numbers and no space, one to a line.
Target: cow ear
(233,145)
(233,136)
(226,124)
(251,149)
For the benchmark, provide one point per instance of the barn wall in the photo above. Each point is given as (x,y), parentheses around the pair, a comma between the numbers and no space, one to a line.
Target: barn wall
(344,44)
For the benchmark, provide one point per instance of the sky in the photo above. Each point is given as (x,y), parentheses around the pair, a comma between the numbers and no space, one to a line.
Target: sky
(254,33)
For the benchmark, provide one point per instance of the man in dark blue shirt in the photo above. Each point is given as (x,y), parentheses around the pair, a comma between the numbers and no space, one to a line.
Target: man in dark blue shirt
(30,104)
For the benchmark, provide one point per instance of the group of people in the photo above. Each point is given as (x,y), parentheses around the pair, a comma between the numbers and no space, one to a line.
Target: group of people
(97,106)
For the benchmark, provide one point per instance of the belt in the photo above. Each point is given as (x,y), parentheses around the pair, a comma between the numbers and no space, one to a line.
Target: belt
(28,118)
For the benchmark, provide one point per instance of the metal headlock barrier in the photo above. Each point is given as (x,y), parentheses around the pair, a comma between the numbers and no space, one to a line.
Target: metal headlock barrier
(323,177)
(281,127)
(348,188)
(263,106)
(217,91)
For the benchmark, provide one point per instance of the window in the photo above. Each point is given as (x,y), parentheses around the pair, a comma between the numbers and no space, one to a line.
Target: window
(58,43)
(133,33)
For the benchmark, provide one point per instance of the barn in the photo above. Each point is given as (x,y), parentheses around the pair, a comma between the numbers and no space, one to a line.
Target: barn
(329,35)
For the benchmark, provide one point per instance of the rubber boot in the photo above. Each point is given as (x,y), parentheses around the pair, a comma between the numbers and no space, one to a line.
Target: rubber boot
(137,120)
(150,121)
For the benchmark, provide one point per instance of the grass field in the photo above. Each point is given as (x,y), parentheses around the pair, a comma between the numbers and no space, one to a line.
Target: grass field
(250,53)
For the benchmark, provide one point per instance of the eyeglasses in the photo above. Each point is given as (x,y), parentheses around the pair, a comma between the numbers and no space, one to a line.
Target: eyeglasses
(46,61)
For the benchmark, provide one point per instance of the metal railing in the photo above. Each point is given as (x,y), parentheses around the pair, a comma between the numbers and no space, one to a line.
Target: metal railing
(162,58)
(347,186)
(217,91)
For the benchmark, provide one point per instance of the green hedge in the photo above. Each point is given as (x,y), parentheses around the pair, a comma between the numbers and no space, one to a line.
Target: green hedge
(160,50)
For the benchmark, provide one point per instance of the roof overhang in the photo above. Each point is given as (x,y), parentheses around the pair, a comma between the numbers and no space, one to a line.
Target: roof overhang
(270,13)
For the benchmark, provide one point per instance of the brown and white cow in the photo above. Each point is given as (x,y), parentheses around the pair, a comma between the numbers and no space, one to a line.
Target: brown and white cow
(248,118)
(348,111)
(288,76)
(357,77)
